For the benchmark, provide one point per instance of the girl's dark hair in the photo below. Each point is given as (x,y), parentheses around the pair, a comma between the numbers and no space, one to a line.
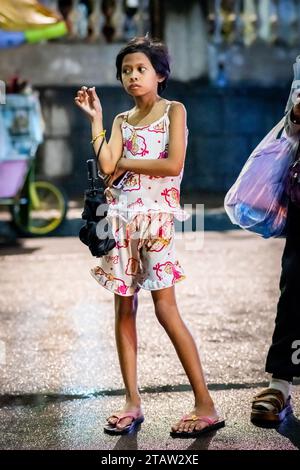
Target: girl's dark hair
(156,52)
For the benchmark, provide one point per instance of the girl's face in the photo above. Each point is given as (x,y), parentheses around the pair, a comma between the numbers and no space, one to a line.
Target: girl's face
(138,74)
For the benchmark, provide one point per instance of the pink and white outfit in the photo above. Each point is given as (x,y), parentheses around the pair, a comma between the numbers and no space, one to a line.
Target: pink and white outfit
(141,215)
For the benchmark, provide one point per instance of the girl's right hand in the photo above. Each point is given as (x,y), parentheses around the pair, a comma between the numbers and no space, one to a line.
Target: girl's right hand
(87,100)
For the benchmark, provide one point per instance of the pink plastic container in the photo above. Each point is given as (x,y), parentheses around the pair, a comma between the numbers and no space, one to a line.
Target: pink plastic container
(12,175)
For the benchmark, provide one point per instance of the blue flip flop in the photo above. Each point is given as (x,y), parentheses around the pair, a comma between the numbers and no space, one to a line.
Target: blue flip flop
(137,419)
(213,425)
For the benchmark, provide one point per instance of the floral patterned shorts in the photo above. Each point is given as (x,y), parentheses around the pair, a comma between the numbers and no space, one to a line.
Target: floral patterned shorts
(144,256)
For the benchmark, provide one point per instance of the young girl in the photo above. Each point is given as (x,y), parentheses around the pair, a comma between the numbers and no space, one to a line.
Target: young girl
(149,143)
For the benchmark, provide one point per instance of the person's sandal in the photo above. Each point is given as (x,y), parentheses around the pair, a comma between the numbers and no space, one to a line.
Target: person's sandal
(212,425)
(260,415)
(137,418)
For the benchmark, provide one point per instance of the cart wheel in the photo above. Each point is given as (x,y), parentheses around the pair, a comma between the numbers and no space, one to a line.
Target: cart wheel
(43,211)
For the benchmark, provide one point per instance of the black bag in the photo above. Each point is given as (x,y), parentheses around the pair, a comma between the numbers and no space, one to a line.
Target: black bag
(96,232)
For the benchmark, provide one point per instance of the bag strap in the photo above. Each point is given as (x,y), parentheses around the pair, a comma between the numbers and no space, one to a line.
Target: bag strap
(98,153)
(105,178)
(96,158)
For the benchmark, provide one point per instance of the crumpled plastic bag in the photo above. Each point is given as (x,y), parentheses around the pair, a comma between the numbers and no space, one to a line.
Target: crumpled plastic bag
(258,201)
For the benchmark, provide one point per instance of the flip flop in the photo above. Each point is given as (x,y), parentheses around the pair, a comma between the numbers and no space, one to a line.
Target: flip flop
(213,425)
(137,419)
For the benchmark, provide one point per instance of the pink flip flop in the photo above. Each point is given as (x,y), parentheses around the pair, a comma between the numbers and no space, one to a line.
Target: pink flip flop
(137,419)
(213,425)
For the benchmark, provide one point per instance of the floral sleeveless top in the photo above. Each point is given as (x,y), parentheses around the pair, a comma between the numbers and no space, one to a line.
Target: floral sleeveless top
(144,193)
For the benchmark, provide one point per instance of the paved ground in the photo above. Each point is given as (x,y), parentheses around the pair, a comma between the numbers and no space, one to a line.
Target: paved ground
(59,372)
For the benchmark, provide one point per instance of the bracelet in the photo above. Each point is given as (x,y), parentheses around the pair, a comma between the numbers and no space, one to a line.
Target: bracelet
(101,134)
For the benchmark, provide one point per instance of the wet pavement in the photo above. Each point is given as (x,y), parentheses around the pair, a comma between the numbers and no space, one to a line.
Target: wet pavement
(58,363)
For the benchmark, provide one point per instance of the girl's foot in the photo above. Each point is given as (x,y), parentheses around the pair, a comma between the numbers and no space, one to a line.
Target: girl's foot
(135,409)
(192,422)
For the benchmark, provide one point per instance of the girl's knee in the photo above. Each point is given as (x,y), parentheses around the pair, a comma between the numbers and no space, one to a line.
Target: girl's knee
(163,306)
(162,319)
(167,315)
(125,306)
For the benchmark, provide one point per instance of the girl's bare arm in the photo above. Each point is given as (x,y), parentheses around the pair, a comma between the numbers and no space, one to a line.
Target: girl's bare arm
(112,150)
(172,165)
(88,101)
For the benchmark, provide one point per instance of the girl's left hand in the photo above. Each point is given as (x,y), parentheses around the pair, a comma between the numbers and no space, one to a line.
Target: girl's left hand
(88,100)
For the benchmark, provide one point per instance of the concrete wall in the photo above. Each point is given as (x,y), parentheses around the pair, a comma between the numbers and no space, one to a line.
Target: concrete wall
(58,64)
(225,125)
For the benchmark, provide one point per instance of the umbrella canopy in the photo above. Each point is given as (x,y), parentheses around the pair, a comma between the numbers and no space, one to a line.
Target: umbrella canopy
(28,21)
(21,15)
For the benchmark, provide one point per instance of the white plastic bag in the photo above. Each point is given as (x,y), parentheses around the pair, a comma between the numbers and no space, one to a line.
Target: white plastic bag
(257,201)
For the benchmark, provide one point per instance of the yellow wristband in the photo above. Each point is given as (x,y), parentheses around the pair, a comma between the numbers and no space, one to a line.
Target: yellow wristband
(101,134)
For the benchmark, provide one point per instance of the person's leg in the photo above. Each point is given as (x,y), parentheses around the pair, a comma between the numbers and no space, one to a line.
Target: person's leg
(168,316)
(279,360)
(126,340)
(287,323)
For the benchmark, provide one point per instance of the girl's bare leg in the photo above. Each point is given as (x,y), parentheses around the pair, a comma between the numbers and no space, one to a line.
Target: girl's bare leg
(126,340)
(168,315)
